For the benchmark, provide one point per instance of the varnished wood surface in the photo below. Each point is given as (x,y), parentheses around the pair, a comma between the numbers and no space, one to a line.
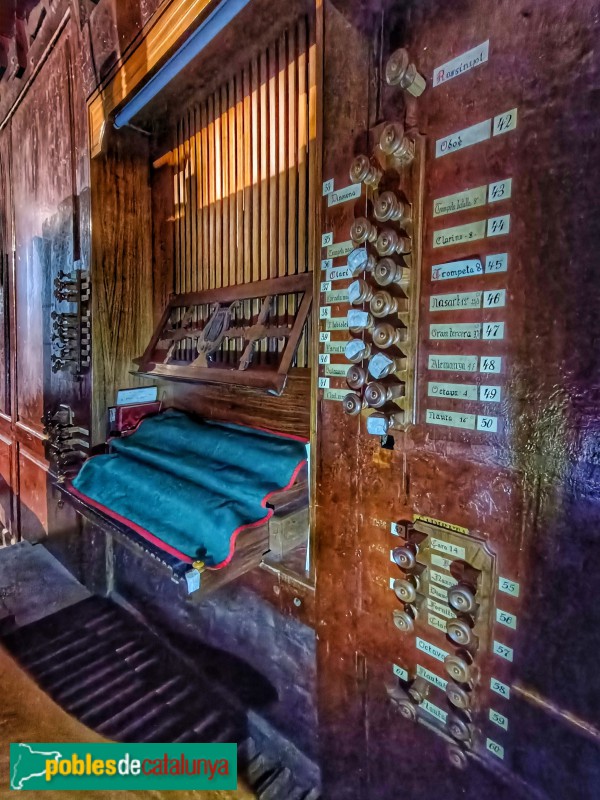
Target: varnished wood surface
(289,413)
(122,269)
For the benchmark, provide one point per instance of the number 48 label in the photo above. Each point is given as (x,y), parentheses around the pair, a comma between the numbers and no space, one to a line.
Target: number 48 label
(491,364)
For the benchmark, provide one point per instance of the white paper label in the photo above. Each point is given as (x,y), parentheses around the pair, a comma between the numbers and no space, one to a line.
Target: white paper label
(436,712)
(505,122)
(354,291)
(379,365)
(437,623)
(453,363)
(324,312)
(508,587)
(431,649)
(399,672)
(146,394)
(336,324)
(335,394)
(498,226)
(351,192)
(358,318)
(442,563)
(463,63)
(444,580)
(494,748)
(438,593)
(327,263)
(455,330)
(337,296)
(376,425)
(192,579)
(323,383)
(501,190)
(337,370)
(457,391)
(324,358)
(494,299)
(451,419)
(328,187)
(461,201)
(503,651)
(492,364)
(487,424)
(464,138)
(326,239)
(339,249)
(498,719)
(324,336)
(455,301)
(500,688)
(438,608)
(490,394)
(459,234)
(353,348)
(441,683)
(336,348)
(325,286)
(451,270)
(497,263)
(447,547)
(504,618)
(337,274)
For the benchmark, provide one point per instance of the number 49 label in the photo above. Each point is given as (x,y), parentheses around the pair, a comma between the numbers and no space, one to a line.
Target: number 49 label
(490,394)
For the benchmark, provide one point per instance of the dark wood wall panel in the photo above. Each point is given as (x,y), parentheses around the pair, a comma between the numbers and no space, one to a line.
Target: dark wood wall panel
(122,274)
(529,491)
(44,218)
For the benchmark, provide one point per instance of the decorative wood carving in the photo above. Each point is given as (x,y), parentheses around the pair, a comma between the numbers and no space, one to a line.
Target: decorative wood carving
(245,335)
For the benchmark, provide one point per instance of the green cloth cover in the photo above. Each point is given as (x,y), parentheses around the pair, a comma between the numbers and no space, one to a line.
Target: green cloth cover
(191,485)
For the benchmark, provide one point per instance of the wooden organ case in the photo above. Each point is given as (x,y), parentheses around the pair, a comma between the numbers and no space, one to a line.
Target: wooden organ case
(428,504)
(430,168)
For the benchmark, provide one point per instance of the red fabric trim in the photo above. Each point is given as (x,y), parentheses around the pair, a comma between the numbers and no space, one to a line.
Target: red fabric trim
(224,421)
(237,531)
(128,523)
(172,550)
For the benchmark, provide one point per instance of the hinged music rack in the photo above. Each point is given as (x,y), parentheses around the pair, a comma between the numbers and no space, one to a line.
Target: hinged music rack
(246,334)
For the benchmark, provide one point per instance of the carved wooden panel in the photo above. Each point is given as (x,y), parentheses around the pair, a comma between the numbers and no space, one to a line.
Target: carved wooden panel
(246,335)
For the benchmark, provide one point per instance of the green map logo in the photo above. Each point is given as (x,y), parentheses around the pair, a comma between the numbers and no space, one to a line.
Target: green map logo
(61,766)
